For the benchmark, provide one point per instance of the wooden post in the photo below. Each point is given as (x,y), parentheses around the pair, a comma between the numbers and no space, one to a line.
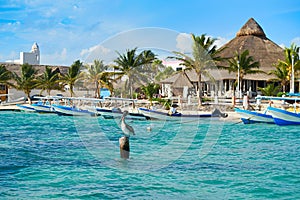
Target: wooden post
(233,101)
(124,147)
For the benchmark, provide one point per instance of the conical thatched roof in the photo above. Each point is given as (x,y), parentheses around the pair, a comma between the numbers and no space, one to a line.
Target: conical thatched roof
(252,37)
(251,28)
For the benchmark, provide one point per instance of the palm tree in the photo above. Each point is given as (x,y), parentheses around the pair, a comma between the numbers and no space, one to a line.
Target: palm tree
(98,75)
(270,90)
(282,75)
(168,71)
(290,53)
(205,53)
(72,76)
(26,81)
(5,75)
(48,80)
(150,90)
(244,64)
(131,63)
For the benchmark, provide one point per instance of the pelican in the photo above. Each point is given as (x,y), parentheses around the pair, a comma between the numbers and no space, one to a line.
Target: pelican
(127,129)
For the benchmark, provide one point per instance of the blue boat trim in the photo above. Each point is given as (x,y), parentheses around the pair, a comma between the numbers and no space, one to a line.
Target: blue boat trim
(254,114)
(285,122)
(176,114)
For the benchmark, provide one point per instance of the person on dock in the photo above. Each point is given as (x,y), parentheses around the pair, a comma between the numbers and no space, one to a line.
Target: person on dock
(173,109)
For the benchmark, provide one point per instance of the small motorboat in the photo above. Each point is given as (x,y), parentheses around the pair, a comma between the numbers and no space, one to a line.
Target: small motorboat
(159,115)
(112,113)
(250,117)
(26,108)
(284,117)
(72,111)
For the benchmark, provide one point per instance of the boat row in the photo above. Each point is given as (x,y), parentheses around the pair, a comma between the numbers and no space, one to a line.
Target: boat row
(90,107)
(287,114)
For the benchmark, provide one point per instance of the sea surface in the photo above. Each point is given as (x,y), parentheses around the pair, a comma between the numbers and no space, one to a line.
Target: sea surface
(45,156)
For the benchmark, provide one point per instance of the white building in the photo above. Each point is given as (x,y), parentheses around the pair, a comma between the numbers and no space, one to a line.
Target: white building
(32,57)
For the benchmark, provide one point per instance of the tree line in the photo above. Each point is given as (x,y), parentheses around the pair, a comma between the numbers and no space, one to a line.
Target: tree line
(144,69)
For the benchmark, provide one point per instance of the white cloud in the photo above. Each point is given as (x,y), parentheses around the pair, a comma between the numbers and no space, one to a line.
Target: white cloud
(282,46)
(221,41)
(98,52)
(184,42)
(57,58)
(99,49)
(296,41)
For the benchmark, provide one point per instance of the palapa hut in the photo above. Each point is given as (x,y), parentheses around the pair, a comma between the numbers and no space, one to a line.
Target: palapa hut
(179,84)
(250,37)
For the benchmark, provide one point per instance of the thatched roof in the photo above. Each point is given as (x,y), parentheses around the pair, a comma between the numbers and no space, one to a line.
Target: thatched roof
(182,80)
(251,28)
(252,37)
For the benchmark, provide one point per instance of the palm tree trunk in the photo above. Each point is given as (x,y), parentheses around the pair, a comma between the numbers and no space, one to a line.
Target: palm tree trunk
(131,89)
(98,90)
(71,90)
(199,91)
(28,97)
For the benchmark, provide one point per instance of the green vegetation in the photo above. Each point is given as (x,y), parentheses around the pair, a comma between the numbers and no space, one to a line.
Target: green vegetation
(205,53)
(281,74)
(270,90)
(243,63)
(5,75)
(168,71)
(130,64)
(72,76)
(150,89)
(26,81)
(48,80)
(98,75)
(142,69)
(283,69)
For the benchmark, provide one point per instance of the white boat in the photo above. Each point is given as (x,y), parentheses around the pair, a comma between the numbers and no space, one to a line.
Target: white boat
(289,116)
(41,107)
(250,117)
(26,107)
(72,111)
(108,113)
(283,117)
(159,115)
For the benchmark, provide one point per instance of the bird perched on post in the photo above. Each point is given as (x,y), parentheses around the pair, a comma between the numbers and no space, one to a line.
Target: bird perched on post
(127,129)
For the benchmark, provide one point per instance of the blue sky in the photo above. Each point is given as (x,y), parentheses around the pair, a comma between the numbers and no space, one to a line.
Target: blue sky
(70,30)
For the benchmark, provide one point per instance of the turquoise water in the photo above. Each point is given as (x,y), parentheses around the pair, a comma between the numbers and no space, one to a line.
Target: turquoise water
(49,156)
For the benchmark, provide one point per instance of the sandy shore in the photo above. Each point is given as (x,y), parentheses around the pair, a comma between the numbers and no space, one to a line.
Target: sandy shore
(9,108)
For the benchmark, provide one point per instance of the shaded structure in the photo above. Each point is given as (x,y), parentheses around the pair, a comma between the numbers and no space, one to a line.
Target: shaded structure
(250,37)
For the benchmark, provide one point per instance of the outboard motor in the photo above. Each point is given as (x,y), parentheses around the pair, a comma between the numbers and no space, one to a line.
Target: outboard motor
(218,113)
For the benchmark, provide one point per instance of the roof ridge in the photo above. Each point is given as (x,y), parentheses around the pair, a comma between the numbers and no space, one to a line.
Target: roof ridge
(251,27)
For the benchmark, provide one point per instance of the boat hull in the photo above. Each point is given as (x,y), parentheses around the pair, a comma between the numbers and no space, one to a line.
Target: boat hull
(43,108)
(112,114)
(157,115)
(71,111)
(283,117)
(251,117)
(26,108)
